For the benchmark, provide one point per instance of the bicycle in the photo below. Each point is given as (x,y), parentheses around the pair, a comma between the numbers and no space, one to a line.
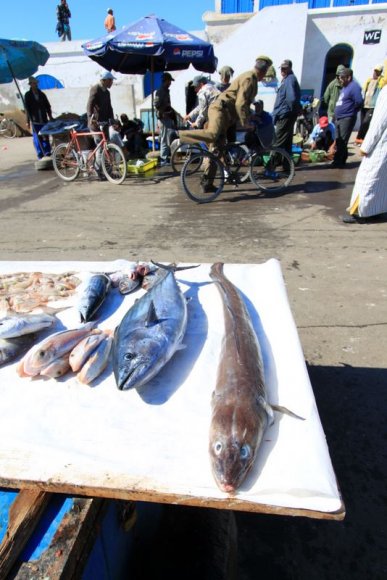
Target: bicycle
(69,160)
(204,174)
(8,127)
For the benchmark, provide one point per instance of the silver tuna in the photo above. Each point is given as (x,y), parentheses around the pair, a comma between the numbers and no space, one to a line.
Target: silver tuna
(93,296)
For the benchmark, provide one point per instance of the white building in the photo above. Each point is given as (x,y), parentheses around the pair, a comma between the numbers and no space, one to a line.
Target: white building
(315,39)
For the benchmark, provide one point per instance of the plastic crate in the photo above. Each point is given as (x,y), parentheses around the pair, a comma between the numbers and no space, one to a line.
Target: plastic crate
(135,167)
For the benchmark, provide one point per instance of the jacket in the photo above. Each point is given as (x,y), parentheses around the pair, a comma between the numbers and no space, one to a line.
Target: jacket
(287,102)
(330,97)
(239,96)
(38,110)
(99,104)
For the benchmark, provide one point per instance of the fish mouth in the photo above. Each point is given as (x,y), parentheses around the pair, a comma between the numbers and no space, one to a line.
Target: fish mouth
(128,378)
(228,488)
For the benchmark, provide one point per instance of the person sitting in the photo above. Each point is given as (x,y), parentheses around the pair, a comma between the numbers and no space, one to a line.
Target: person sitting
(263,134)
(133,136)
(323,135)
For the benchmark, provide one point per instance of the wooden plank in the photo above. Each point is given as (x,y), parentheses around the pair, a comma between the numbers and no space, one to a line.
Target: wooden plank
(24,515)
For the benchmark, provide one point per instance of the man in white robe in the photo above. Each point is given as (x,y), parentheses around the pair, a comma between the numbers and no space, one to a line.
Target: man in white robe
(369,195)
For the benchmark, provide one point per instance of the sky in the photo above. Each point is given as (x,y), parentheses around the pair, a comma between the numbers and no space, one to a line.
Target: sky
(37,20)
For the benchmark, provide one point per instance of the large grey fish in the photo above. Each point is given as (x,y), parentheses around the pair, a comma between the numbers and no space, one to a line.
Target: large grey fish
(150,333)
(240,410)
(20,324)
(93,296)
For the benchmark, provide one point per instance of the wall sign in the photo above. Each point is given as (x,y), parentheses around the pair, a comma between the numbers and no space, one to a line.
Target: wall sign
(372,36)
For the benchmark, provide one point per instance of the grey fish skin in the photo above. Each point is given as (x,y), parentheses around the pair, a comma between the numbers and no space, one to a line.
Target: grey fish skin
(19,325)
(149,334)
(11,348)
(239,407)
(93,296)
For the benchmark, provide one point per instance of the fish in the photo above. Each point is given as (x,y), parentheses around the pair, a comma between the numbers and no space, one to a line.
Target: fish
(18,325)
(84,349)
(150,333)
(129,283)
(93,295)
(11,348)
(97,361)
(51,348)
(240,409)
(57,368)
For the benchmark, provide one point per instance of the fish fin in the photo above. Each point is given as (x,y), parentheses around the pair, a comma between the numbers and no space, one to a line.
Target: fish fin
(286,411)
(173,267)
(268,408)
(151,317)
(181,347)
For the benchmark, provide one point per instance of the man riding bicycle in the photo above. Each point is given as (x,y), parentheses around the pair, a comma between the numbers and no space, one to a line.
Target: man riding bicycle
(229,108)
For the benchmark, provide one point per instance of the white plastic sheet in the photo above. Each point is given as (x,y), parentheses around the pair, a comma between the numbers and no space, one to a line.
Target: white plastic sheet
(154,443)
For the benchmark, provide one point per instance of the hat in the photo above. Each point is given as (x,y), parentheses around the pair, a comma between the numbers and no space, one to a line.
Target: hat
(200,79)
(345,72)
(286,64)
(226,71)
(167,75)
(323,122)
(378,67)
(107,76)
(32,81)
(339,69)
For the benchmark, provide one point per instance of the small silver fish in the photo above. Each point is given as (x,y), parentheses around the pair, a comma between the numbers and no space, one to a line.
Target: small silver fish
(18,325)
(57,368)
(93,296)
(84,349)
(11,348)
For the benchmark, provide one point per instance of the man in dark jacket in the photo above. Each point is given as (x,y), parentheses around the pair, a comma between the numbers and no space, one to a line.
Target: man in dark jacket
(348,105)
(38,110)
(63,15)
(331,94)
(286,107)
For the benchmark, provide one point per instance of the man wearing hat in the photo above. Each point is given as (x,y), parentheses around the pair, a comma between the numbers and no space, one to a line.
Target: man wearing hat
(99,109)
(206,94)
(331,94)
(347,107)
(323,135)
(286,107)
(226,73)
(371,90)
(166,116)
(229,108)
(38,110)
(110,22)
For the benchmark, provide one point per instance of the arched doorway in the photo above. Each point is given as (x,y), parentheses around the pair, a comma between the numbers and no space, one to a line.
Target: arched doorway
(338,54)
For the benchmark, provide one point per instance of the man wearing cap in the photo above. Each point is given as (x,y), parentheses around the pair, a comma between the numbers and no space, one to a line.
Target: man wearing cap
(99,110)
(38,110)
(331,94)
(323,135)
(206,94)
(230,107)
(371,90)
(226,73)
(347,107)
(110,22)
(166,116)
(286,107)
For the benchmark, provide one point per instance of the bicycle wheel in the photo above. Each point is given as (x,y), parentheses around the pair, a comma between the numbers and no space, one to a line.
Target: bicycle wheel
(8,128)
(202,177)
(65,162)
(272,169)
(180,155)
(114,163)
(237,159)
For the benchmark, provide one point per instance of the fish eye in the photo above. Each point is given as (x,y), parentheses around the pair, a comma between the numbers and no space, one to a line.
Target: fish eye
(41,353)
(244,451)
(218,447)
(129,356)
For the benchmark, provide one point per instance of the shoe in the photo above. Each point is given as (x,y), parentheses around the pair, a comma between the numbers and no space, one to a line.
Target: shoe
(102,177)
(352,219)
(164,162)
(208,188)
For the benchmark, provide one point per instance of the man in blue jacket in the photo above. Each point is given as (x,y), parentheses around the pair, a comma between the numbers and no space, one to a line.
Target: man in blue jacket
(348,105)
(286,107)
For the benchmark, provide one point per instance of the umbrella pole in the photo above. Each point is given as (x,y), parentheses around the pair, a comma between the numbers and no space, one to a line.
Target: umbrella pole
(152,105)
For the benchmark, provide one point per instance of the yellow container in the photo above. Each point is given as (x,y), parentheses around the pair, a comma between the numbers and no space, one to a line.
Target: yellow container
(140,165)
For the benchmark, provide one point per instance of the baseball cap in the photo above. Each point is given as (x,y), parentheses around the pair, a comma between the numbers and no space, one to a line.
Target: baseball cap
(323,122)
(378,67)
(339,69)
(265,58)
(167,75)
(199,80)
(107,76)
(286,64)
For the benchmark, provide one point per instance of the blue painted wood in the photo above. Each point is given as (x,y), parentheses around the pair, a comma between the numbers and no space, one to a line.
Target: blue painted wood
(237,6)
(7,497)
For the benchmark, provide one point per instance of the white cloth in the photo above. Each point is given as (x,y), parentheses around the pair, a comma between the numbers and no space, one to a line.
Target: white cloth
(369,195)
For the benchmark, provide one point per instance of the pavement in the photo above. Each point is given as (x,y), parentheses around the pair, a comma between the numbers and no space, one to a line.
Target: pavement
(335,275)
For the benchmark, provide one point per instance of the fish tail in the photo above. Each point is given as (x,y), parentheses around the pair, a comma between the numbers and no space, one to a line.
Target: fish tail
(173,267)
(286,411)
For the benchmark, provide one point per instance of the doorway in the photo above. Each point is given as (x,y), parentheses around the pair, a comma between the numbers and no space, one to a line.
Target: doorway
(338,54)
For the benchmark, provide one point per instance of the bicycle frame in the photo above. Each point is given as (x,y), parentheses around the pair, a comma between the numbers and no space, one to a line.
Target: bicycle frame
(84,163)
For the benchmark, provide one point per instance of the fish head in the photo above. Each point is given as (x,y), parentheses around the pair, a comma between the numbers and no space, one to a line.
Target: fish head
(138,361)
(235,437)
(39,357)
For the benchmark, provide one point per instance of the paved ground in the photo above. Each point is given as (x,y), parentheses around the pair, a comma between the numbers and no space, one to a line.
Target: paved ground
(336,279)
